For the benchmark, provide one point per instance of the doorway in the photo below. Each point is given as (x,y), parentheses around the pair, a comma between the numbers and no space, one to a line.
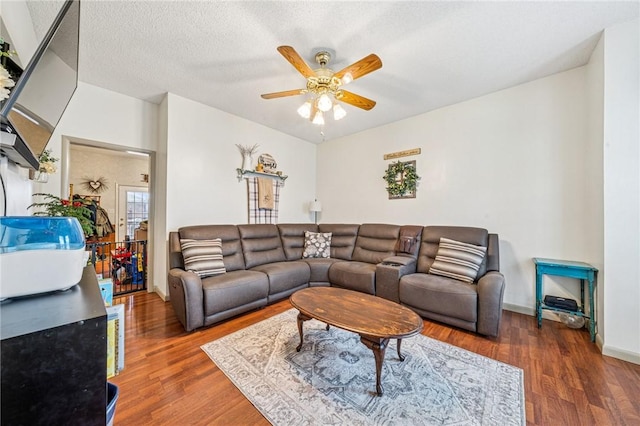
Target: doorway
(84,161)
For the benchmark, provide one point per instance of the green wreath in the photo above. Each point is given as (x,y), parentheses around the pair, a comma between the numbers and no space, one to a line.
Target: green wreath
(408,178)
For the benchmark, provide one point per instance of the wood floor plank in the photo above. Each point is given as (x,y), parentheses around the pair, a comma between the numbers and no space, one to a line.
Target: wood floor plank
(169,380)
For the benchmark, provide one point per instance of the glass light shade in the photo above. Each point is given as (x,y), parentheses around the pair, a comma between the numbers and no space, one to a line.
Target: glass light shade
(338,112)
(347,78)
(324,103)
(318,118)
(305,110)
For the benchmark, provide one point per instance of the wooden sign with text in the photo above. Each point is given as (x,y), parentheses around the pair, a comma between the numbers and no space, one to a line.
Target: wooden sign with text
(399,154)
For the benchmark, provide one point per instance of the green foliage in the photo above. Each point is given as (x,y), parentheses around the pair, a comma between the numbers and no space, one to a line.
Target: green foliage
(56,206)
(401,178)
(8,53)
(47,157)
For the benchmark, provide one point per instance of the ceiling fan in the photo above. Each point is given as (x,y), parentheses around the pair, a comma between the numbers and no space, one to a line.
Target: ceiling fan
(325,85)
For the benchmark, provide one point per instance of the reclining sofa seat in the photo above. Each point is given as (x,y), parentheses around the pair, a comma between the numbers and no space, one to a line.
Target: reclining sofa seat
(375,243)
(263,252)
(343,239)
(476,306)
(197,301)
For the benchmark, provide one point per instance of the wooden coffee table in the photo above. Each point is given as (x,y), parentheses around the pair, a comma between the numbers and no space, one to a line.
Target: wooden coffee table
(375,319)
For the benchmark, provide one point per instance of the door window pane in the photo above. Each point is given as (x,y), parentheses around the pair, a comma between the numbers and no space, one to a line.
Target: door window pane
(137,210)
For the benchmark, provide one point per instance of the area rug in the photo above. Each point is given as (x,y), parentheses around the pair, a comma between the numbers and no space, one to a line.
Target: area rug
(332,380)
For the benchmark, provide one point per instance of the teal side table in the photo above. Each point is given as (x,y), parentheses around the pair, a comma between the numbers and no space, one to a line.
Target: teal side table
(566,268)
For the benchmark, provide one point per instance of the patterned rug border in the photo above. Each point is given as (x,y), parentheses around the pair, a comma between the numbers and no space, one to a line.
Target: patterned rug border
(287,318)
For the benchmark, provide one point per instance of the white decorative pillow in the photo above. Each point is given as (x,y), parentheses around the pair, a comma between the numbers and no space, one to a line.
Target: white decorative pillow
(457,260)
(204,257)
(317,244)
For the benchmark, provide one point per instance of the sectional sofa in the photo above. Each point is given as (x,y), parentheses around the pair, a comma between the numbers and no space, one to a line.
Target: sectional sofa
(261,264)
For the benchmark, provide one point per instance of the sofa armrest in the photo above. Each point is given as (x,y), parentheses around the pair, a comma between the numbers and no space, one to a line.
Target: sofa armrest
(490,295)
(185,291)
(398,260)
(388,274)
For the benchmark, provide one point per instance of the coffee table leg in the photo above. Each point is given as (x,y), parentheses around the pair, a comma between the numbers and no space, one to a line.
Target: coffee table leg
(378,346)
(301,319)
(399,354)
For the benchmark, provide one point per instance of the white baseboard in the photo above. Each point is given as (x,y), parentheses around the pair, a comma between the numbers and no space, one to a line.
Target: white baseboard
(621,354)
(160,293)
(525,310)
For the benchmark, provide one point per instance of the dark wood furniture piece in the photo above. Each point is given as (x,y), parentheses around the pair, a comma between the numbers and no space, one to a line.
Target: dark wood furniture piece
(53,357)
(375,319)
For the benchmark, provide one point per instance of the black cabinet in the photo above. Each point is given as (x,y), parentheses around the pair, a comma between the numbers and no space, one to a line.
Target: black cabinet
(53,357)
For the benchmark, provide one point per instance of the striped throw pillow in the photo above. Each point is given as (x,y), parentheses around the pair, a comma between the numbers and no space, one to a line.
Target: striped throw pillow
(204,257)
(457,260)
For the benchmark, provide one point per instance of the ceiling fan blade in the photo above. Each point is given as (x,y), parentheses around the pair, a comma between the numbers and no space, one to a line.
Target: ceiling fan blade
(292,56)
(282,94)
(356,100)
(363,67)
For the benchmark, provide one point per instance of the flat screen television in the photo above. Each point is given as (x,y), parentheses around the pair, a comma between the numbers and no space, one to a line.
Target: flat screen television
(35,104)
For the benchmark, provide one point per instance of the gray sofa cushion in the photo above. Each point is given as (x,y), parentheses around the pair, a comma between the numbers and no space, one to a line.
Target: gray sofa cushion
(320,269)
(292,237)
(376,242)
(233,289)
(285,276)
(440,295)
(359,276)
(231,246)
(343,239)
(261,244)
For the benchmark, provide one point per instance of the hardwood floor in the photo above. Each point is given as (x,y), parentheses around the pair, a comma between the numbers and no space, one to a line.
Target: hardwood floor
(169,380)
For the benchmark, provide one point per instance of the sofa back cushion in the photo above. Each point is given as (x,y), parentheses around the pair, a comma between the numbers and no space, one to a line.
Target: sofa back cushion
(261,244)
(431,240)
(376,242)
(231,248)
(292,238)
(343,239)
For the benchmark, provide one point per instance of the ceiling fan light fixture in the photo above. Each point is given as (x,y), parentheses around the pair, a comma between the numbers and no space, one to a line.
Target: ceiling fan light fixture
(338,112)
(324,103)
(318,118)
(305,110)
(347,78)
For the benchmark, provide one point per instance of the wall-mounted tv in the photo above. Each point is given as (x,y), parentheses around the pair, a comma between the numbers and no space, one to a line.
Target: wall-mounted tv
(30,114)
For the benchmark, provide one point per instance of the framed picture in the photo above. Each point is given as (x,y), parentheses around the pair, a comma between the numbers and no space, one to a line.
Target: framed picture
(401,178)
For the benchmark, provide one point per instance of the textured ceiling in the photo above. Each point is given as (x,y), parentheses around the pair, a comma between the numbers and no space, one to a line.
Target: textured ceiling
(434,54)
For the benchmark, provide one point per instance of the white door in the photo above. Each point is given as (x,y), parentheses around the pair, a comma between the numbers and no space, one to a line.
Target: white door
(133,207)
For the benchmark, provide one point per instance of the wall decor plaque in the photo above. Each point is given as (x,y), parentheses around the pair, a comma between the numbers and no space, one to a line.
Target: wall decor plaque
(406,153)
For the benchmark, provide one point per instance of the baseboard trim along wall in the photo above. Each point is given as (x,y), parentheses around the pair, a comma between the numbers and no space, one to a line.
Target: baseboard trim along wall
(621,354)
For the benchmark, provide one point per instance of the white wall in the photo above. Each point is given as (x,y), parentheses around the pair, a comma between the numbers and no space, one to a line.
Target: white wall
(202,162)
(202,184)
(96,115)
(622,191)
(512,162)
